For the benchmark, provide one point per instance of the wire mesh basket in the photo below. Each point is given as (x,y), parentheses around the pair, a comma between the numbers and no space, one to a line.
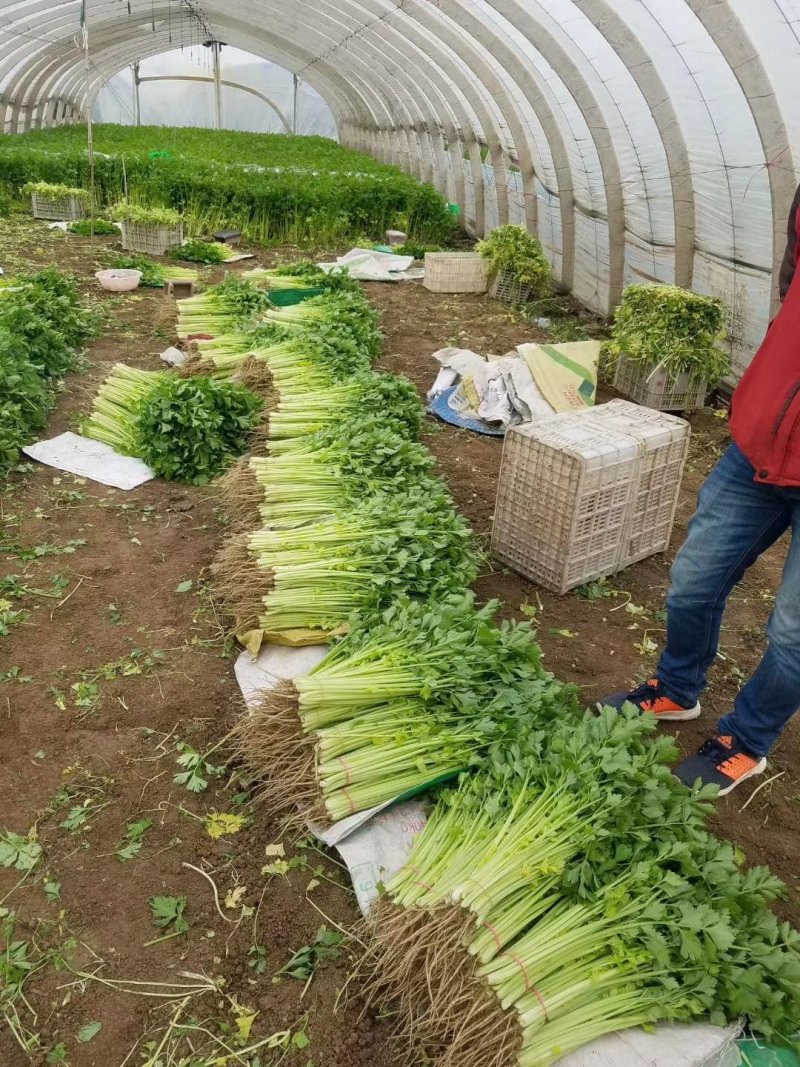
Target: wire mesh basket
(577,491)
(67,209)
(152,240)
(455,272)
(505,287)
(654,387)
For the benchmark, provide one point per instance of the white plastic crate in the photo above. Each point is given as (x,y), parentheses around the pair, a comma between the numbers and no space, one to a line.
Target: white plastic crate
(67,209)
(583,494)
(665,446)
(455,272)
(505,287)
(152,240)
(657,388)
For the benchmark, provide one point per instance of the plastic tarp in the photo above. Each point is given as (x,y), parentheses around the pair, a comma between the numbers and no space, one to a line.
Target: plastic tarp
(369,265)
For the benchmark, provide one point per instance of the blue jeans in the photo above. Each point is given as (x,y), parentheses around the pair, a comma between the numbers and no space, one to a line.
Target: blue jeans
(736,521)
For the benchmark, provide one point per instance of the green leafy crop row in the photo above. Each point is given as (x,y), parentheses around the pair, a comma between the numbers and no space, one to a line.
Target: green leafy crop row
(272,187)
(42,323)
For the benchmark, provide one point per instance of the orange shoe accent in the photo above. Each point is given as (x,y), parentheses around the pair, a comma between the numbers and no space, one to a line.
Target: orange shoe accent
(661,705)
(739,765)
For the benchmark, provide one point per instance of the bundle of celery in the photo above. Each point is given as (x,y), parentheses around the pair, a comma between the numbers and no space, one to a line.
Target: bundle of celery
(350,307)
(301,276)
(232,305)
(386,713)
(395,544)
(569,890)
(312,577)
(185,429)
(389,395)
(333,468)
(115,411)
(313,358)
(348,460)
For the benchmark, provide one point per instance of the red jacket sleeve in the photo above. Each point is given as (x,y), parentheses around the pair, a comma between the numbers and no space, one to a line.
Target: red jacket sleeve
(792,254)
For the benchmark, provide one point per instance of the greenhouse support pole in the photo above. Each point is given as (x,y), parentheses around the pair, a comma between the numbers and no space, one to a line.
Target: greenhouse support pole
(216,46)
(295,102)
(89,102)
(137,108)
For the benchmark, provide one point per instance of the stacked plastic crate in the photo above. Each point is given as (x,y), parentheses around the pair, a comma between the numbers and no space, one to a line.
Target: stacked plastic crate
(582,495)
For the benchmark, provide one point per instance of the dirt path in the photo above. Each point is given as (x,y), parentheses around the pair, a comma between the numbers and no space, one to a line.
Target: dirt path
(104,679)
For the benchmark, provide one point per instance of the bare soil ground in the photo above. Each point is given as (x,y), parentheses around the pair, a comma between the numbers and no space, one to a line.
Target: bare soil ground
(101,681)
(98,685)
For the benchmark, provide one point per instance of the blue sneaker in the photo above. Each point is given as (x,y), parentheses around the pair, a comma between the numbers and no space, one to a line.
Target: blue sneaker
(652,698)
(720,761)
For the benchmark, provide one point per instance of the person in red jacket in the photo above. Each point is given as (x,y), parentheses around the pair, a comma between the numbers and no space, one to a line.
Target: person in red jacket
(750,499)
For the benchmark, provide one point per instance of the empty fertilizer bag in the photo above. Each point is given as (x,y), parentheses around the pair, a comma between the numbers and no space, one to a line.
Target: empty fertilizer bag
(565,374)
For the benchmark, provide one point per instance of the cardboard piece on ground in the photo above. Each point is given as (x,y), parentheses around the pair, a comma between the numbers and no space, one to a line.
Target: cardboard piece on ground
(90,459)
(238,257)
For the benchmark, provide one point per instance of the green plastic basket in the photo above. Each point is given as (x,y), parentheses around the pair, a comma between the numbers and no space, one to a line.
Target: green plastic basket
(284,298)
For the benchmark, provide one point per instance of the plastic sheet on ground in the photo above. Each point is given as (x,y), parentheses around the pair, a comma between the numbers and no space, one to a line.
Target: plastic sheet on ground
(274,664)
(485,395)
(173,357)
(374,844)
(377,850)
(440,406)
(756,1054)
(669,1045)
(90,459)
(367,265)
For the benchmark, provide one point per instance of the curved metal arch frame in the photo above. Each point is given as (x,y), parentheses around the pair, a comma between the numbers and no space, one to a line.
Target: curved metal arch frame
(419,86)
(227,84)
(368,118)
